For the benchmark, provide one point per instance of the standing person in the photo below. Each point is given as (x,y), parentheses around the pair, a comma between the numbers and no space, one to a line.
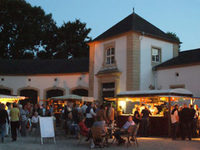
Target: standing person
(14,117)
(193,120)
(110,114)
(90,114)
(7,124)
(145,121)
(137,116)
(43,110)
(23,118)
(83,108)
(174,122)
(3,119)
(186,122)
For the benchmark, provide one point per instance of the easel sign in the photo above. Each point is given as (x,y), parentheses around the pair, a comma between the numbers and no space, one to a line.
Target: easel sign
(47,128)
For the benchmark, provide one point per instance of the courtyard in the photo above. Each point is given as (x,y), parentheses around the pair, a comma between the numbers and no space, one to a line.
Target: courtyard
(65,143)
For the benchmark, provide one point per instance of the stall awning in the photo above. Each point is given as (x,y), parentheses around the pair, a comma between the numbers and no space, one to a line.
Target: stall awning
(10,98)
(74,97)
(149,93)
(88,99)
(67,97)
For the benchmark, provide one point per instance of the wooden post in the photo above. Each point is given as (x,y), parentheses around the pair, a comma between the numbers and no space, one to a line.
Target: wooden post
(169,116)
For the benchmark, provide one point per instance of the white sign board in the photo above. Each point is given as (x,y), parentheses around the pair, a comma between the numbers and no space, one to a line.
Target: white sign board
(46,127)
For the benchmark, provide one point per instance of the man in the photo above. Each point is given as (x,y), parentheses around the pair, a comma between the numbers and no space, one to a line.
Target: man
(174,122)
(23,118)
(124,130)
(14,117)
(193,120)
(110,114)
(83,108)
(186,122)
(145,121)
(3,119)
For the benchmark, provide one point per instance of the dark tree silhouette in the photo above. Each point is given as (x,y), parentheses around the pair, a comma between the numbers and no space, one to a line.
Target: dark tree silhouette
(27,32)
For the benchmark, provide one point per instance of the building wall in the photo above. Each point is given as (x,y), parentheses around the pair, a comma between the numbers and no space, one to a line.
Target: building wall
(120,57)
(44,82)
(187,76)
(146,74)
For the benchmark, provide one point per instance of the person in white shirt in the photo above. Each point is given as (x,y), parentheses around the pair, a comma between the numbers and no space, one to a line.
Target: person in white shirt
(124,130)
(83,108)
(35,122)
(174,122)
(90,114)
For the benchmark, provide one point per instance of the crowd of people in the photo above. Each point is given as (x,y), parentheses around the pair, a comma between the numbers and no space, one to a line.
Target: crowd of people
(80,119)
(19,118)
(185,121)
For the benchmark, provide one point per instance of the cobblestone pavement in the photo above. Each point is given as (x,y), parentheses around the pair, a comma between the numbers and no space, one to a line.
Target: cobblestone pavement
(64,143)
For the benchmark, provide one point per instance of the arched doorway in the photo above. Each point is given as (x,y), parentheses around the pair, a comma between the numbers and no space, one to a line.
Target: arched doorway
(54,92)
(31,94)
(5,91)
(80,92)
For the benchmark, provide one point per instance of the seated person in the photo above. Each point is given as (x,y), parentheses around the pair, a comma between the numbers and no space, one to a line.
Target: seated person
(124,130)
(101,127)
(83,129)
(101,124)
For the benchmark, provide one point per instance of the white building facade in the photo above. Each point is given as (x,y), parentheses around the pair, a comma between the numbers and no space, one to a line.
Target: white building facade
(42,81)
(122,58)
(181,72)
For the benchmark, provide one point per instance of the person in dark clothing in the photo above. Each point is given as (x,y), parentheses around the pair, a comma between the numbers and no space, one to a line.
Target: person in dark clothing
(186,122)
(145,121)
(137,116)
(3,119)
(194,121)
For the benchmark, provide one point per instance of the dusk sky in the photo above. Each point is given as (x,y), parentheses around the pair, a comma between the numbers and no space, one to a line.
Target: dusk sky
(179,16)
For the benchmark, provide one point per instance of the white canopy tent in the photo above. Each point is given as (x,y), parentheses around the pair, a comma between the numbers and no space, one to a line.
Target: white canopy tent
(66,97)
(73,97)
(10,98)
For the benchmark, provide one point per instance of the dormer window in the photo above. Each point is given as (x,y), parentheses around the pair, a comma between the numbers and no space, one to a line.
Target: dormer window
(110,56)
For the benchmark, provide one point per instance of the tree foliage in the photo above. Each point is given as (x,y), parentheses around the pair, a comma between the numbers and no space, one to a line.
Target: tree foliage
(27,32)
(174,36)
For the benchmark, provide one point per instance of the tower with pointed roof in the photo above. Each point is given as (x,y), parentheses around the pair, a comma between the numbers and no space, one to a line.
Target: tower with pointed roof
(122,58)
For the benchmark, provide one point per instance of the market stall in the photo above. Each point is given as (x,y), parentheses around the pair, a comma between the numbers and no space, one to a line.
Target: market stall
(59,102)
(10,98)
(159,103)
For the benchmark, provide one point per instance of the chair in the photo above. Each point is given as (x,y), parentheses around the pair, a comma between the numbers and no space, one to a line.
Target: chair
(98,137)
(132,133)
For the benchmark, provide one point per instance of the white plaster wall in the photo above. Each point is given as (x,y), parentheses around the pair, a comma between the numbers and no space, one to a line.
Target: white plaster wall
(120,57)
(146,74)
(42,82)
(189,76)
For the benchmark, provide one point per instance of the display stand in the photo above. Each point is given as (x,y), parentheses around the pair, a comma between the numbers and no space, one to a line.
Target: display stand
(47,128)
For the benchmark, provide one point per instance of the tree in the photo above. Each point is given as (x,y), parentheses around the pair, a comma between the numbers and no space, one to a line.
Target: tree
(72,40)
(23,29)
(174,36)
(27,32)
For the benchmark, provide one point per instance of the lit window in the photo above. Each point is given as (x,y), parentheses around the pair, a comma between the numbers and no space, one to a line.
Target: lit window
(156,55)
(110,56)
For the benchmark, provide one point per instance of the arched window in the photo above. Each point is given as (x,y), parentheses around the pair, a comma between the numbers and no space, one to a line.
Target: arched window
(5,91)
(54,92)
(31,94)
(80,92)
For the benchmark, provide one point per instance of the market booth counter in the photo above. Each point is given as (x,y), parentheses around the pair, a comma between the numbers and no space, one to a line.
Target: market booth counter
(59,102)
(159,103)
